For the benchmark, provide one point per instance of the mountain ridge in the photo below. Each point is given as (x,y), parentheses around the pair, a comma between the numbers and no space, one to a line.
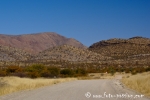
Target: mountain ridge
(106,52)
(37,42)
(122,47)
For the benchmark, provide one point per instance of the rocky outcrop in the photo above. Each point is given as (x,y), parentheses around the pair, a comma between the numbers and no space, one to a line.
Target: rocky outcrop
(10,54)
(122,48)
(69,53)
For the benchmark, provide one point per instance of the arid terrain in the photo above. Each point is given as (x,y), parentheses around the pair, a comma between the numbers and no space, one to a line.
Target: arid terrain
(50,55)
(80,90)
(133,50)
(46,47)
(41,44)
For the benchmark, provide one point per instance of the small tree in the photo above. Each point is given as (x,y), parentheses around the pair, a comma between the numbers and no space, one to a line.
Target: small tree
(111,70)
(67,72)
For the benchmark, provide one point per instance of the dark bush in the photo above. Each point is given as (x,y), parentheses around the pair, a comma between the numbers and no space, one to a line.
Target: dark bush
(134,72)
(35,68)
(81,72)
(111,70)
(127,70)
(67,72)
(13,69)
(46,73)
(147,69)
(33,74)
(54,71)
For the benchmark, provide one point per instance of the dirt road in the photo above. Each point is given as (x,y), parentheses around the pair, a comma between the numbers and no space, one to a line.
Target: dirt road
(104,89)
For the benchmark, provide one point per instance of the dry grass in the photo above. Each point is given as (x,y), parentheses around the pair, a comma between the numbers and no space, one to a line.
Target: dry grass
(108,75)
(91,76)
(13,84)
(139,82)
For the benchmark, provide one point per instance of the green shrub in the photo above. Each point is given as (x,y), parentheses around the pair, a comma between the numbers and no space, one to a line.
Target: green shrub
(54,71)
(111,70)
(67,72)
(35,68)
(81,72)
(134,72)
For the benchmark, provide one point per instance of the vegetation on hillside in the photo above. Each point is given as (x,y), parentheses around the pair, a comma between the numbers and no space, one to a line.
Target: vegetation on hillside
(11,54)
(69,53)
(124,52)
(122,48)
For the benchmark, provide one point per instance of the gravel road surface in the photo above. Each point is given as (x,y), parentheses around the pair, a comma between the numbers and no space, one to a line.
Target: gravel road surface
(103,89)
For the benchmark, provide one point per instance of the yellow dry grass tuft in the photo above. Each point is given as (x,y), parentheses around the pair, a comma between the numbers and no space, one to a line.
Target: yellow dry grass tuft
(100,76)
(139,82)
(13,84)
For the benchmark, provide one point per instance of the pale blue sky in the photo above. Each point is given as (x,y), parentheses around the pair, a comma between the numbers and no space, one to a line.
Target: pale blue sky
(88,21)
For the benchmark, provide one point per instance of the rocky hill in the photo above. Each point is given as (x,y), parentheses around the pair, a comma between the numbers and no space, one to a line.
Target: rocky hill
(69,53)
(10,54)
(49,47)
(35,43)
(122,48)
